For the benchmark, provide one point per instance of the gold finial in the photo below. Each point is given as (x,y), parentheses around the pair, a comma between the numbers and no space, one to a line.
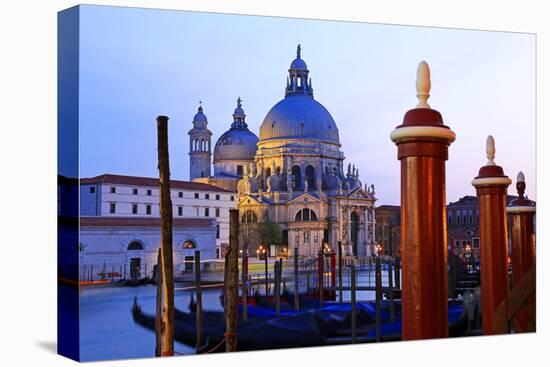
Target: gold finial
(423,85)
(490,151)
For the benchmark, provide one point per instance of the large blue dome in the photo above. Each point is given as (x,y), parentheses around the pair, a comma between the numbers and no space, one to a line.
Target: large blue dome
(299,117)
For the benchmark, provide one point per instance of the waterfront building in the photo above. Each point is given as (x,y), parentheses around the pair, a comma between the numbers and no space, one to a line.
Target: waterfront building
(120,221)
(463,225)
(293,174)
(297,178)
(388,229)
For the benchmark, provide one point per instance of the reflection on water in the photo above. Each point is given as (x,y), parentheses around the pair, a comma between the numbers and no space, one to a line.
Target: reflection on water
(108,331)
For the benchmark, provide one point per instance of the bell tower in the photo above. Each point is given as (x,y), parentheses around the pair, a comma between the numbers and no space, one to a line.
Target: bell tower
(200,151)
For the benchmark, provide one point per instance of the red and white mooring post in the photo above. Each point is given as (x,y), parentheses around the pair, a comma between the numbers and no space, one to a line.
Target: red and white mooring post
(491,186)
(422,147)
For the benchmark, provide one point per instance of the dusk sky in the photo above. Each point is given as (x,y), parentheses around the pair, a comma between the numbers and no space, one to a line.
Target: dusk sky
(136,64)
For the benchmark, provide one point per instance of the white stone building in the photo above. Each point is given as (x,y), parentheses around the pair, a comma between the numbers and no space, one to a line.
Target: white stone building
(123,245)
(118,210)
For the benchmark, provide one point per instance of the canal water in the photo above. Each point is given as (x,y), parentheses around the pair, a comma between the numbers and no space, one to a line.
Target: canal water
(108,331)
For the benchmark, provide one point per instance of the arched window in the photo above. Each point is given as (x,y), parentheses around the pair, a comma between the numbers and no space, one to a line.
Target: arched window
(296,178)
(268,172)
(310,177)
(189,244)
(305,215)
(249,217)
(135,245)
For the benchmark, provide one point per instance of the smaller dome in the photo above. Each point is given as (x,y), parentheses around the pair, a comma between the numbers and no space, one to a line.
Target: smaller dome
(236,145)
(200,116)
(298,64)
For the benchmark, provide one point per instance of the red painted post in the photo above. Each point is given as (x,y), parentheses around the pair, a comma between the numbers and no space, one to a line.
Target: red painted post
(521,212)
(321,276)
(422,145)
(333,275)
(491,186)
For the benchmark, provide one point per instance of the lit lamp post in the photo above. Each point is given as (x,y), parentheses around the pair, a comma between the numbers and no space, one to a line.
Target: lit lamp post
(468,255)
(378,249)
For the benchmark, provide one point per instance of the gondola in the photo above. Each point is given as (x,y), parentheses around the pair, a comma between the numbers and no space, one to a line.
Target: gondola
(329,325)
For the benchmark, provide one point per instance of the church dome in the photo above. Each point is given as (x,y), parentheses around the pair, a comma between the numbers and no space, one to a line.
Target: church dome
(299,115)
(238,143)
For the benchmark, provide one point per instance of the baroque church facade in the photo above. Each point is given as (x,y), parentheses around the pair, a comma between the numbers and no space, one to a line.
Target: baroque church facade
(293,174)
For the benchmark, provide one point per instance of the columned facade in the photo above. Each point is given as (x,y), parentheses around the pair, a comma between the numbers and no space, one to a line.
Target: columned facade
(297,177)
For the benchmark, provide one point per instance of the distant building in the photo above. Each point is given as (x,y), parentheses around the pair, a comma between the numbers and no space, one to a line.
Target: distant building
(463,225)
(127,209)
(388,229)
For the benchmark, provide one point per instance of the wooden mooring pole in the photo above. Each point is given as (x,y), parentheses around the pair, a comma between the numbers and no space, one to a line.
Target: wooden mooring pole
(397,273)
(198,291)
(340,264)
(390,289)
(277,287)
(321,276)
(491,186)
(378,285)
(167,268)
(422,147)
(244,280)
(353,307)
(158,314)
(296,281)
(232,283)
(521,212)
(266,274)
